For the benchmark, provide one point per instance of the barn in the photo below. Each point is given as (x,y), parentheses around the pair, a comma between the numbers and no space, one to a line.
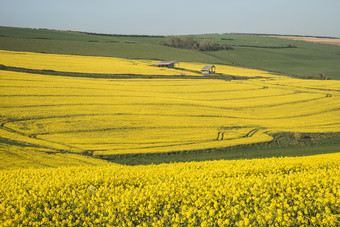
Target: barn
(167,64)
(208,69)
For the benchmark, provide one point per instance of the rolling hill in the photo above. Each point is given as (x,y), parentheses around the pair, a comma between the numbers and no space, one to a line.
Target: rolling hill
(287,57)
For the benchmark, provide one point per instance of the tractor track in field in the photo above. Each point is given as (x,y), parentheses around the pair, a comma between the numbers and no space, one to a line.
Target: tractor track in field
(34,137)
(178,143)
(161,146)
(162,115)
(168,104)
(121,128)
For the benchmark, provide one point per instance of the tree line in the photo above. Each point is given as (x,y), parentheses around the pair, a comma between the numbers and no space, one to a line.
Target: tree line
(188,42)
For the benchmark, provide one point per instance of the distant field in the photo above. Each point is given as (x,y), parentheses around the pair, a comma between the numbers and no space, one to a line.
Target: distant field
(287,57)
(85,64)
(328,41)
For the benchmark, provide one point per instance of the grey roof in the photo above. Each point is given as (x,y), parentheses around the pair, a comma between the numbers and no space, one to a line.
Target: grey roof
(207,67)
(166,63)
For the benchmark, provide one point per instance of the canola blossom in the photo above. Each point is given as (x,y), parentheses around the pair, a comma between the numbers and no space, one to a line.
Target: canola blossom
(300,191)
(120,116)
(84,64)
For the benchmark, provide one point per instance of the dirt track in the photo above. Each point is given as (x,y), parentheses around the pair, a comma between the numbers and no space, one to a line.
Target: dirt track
(329,41)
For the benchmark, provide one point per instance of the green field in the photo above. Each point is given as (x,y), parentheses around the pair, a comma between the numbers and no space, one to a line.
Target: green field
(253,51)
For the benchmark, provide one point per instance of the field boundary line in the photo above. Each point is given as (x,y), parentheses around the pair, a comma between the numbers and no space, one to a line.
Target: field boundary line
(122,76)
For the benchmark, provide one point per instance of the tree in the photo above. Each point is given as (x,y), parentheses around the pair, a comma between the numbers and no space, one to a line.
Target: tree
(173,41)
(207,45)
(188,42)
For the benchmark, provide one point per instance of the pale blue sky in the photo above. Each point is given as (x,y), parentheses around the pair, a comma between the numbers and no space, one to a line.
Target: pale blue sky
(156,17)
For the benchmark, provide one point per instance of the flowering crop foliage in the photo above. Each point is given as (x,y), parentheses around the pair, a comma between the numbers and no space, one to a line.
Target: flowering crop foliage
(161,115)
(14,157)
(46,121)
(276,191)
(83,64)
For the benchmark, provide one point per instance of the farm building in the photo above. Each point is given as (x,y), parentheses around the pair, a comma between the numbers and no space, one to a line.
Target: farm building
(208,69)
(167,64)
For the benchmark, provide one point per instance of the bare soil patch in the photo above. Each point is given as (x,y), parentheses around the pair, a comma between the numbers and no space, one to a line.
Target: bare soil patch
(329,41)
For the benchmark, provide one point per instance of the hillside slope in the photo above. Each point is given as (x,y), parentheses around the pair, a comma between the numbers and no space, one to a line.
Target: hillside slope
(288,57)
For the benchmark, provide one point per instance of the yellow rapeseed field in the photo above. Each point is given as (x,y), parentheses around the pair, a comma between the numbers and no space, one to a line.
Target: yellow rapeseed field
(160,115)
(83,64)
(228,70)
(300,191)
(47,121)
(15,157)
